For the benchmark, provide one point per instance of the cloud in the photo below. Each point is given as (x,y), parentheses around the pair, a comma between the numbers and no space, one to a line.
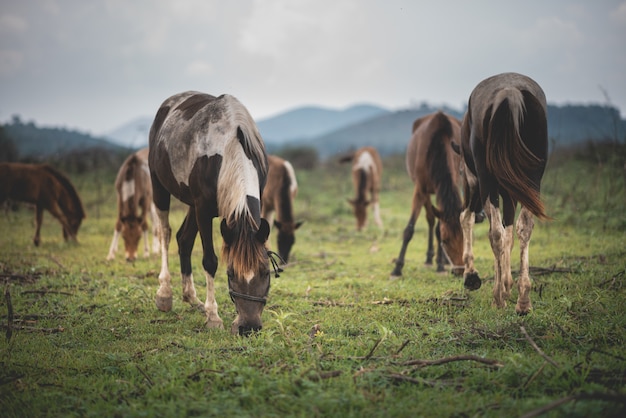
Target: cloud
(619,14)
(11,24)
(10,62)
(199,68)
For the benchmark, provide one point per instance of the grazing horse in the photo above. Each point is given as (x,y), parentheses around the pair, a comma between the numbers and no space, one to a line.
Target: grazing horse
(46,188)
(433,165)
(134,202)
(280,190)
(504,141)
(208,153)
(367,170)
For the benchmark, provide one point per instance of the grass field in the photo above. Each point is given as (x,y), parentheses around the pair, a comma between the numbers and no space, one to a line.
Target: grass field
(339,338)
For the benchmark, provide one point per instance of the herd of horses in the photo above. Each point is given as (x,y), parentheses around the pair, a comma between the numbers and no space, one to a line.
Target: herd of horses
(207,152)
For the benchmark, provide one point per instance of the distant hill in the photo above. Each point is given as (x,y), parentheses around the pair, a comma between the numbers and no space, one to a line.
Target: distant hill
(33,142)
(311,121)
(133,134)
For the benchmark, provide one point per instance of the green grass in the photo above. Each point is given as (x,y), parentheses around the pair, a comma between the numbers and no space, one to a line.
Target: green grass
(338,335)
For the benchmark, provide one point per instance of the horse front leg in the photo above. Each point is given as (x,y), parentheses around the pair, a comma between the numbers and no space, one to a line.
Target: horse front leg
(470,274)
(430,218)
(209,263)
(164,293)
(418,202)
(185,237)
(524,226)
(116,236)
(155,229)
(38,221)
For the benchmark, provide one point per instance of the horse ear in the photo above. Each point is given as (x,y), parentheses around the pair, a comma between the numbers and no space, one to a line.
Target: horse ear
(277,224)
(351,201)
(227,233)
(264,231)
(299,224)
(455,147)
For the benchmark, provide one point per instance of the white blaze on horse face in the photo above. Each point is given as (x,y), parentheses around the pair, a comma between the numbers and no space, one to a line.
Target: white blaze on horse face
(365,161)
(249,276)
(128,189)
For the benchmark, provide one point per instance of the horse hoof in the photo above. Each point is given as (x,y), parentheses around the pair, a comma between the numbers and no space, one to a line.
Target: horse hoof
(522,310)
(164,304)
(215,323)
(472,281)
(394,277)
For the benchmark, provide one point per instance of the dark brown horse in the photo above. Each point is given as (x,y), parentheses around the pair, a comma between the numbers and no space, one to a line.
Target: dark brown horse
(504,142)
(433,166)
(46,188)
(208,153)
(134,202)
(367,171)
(280,190)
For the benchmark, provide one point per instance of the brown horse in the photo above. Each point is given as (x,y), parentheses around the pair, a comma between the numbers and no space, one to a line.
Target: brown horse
(134,202)
(367,170)
(504,141)
(46,188)
(208,153)
(433,166)
(280,190)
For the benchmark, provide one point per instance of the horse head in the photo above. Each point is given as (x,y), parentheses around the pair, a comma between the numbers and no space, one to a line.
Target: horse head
(359,206)
(131,233)
(451,238)
(248,272)
(286,237)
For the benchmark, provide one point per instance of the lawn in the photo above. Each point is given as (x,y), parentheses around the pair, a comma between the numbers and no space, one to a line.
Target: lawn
(82,336)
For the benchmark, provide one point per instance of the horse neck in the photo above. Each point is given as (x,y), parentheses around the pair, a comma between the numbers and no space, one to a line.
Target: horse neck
(284,205)
(362,184)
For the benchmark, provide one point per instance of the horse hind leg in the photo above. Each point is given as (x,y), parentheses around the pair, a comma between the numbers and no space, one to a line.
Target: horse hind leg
(430,218)
(524,227)
(164,293)
(500,238)
(38,221)
(418,202)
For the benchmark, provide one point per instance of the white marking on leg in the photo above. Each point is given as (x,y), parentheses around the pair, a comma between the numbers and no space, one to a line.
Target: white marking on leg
(467,224)
(189,291)
(213,319)
(525,225)
(164,293)
(496,237)
(113,247)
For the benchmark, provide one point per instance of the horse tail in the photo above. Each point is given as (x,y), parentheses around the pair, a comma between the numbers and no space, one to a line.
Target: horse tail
(448,197)
(508,157)
(77,204)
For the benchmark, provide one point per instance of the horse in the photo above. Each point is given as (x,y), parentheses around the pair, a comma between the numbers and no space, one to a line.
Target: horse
(367,170)
(46,188)
(504,142)
(207,152)
(280,190)
(433,166)
(134,201)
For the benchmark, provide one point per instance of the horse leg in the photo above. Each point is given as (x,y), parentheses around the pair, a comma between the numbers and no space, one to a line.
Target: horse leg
(185,237)
(164,293)
(209,263)
(471,279)
(418,202)
(525,225)
(155,229)
(500,238)
(116,236)
(38,221)
(430,217)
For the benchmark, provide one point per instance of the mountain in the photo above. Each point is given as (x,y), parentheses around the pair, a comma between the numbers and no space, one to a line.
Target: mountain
(311,121)
(133,134)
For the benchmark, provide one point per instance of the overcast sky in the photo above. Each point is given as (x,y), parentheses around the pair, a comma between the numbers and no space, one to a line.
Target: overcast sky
(95,65)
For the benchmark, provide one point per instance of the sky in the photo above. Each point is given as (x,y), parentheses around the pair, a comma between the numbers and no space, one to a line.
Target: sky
(96,65)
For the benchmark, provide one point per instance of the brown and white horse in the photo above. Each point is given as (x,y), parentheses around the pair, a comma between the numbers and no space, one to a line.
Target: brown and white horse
(280,190)
(134,201)
(367,171)
(46,188)
(433,165)
(208,153)
(504,142)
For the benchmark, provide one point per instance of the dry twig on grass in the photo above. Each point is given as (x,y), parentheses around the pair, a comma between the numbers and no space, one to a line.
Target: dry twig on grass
(537,349)
(424,363)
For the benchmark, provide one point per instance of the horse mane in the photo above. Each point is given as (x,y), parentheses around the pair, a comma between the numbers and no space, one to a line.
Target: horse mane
(448,197)
(77,204)
(507,155)
(241,212)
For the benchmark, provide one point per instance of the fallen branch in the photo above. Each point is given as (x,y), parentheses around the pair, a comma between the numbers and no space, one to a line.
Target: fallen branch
(423,363)
(47,291)
(331,303)
(150,382)
(431,383)
(536,347)
(35,329)
(539,271)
